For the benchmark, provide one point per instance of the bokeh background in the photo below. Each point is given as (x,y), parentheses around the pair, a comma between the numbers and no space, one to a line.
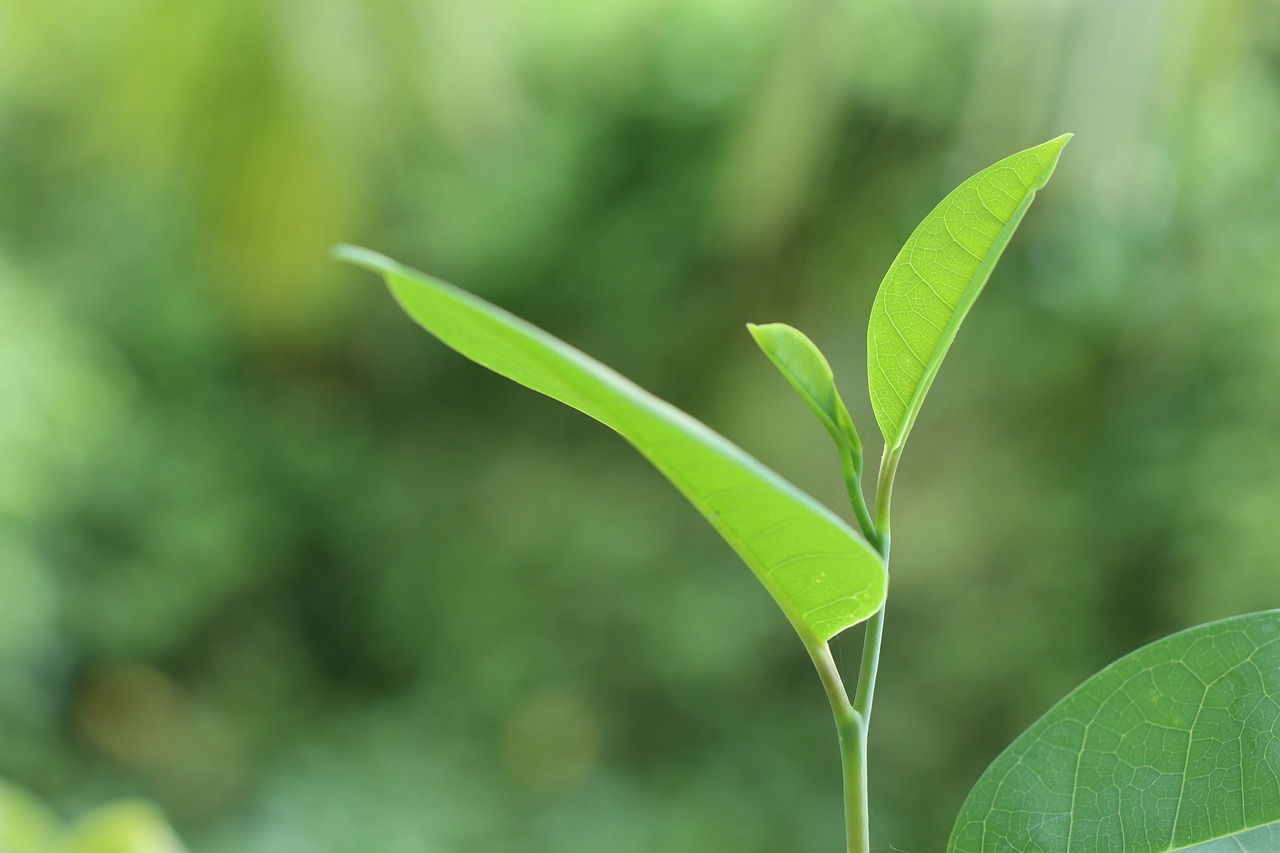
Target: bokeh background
(276,560)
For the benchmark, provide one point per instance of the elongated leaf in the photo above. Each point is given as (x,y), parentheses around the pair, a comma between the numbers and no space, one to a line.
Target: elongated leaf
(806,368)
(823,575)
(1173,747)
(935,279)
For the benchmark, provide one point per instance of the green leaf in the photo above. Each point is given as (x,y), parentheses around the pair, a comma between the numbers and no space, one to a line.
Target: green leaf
(823,575)
(1173,746)
(805,367)
(26,824)
(935,279)
(1264,839)
(126,827)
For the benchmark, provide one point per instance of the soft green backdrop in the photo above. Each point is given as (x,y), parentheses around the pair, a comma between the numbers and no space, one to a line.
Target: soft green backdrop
(272,557)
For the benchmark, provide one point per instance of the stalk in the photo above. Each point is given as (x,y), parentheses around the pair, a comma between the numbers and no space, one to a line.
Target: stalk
(853,719)
(851,466)
(853,761)
(852,733)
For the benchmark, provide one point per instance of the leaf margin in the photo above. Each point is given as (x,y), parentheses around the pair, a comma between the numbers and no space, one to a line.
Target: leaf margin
(403,281)
(1012,757)
(896,436)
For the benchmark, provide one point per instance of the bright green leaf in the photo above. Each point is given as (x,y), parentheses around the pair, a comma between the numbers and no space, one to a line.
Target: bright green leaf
(26,824)
(1173,746)
(805,367)
(935,279)
(127,827)
(823,575)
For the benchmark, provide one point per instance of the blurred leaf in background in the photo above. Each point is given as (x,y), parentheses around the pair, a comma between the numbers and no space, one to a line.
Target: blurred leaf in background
(28,826)
(128,827)
(239,494)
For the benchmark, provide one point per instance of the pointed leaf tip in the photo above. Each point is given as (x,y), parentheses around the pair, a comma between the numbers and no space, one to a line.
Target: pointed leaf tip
(937,276)
(821,573)
(364,258)
(807,370)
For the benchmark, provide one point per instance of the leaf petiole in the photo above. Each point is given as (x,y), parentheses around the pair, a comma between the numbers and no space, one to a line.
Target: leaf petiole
(852,469)
(853,719)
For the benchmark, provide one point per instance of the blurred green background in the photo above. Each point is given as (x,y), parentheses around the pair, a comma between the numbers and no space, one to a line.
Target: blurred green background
(275,559)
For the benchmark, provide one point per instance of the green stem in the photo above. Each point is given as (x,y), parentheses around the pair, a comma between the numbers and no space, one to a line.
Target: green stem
(853,752)
(875,625)
(870,664)
(841,708)
(853,761)
(852,725)
(853,484)
(884,492)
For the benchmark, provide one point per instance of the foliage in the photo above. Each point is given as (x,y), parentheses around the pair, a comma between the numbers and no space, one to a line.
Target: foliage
(1168,749)
(936,278)
(28,826)
(238,524)
(823,576)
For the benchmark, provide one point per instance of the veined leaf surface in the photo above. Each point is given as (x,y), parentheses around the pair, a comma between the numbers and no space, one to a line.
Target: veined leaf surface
(935,279)
(823,575)
(1175,747)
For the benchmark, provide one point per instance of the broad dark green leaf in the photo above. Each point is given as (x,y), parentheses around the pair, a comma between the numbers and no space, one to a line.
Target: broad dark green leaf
(935,279)
(823,575)
(806,368)
(1175,747)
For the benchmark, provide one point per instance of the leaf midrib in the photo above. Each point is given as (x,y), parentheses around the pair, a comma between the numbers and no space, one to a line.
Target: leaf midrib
(958,314)
(651,406)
